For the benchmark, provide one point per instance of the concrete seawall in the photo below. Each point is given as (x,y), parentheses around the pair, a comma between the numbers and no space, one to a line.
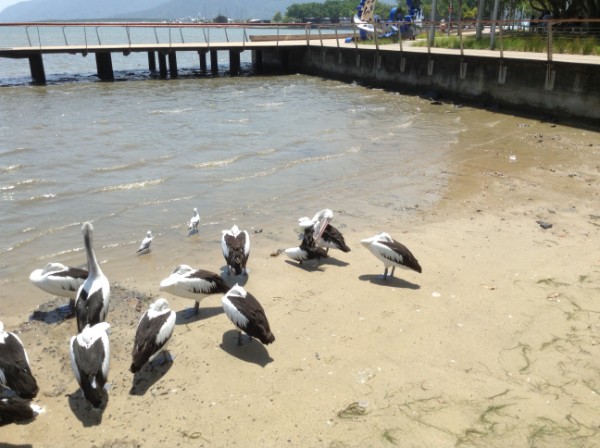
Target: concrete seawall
(557,89)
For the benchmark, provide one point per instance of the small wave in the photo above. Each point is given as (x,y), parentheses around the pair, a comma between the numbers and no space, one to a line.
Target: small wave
(169,111)
(9,168)
(7,188)
(271,105)
(12,152)
(41,197)
(240,121)
(133,185)
(216,163)
(122,167)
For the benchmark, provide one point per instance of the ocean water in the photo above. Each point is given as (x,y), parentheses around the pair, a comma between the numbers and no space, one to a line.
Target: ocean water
(140,154)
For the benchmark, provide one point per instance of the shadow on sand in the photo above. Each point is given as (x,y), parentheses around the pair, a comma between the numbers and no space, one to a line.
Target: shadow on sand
(84,411)
(187,316)
(390,281)
(250,351)
(150,374)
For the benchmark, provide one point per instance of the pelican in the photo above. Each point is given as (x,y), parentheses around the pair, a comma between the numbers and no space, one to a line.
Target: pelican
(153,334)
(145,246)
(90,360)
(93,297)
(236,249)
(15,370)
(324,234)
(391,252)
(59,280)
(193,225)
(17,410)
(247,315)
(307,250)
(193,284)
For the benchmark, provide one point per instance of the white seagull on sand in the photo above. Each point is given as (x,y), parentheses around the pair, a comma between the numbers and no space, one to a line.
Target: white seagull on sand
(90,360)
(145,246)
(236,249)
(391,252)
(93,297)
(15,370)
(153,334)
(193,225)
(193,284)
(247,315)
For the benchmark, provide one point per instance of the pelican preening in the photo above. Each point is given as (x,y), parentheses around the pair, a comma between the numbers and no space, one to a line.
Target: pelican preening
(193,284)
(236,249)
(90,360)
(193,225)
(59,280)
(391,252)
(325,235)
(307,250)
(145,246)
(153,334)
(93,297)
(15,370)
(247,315)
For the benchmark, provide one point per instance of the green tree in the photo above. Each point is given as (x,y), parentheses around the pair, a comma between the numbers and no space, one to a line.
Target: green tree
(277,18)
(220,19)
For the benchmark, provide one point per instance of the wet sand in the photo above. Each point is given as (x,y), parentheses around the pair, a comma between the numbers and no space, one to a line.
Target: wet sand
(495,344)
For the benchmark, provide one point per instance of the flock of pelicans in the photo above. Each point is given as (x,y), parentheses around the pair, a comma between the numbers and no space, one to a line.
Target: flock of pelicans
(89,291)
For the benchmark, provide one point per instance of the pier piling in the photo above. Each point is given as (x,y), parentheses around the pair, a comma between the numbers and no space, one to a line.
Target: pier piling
(104,66)
(36,65)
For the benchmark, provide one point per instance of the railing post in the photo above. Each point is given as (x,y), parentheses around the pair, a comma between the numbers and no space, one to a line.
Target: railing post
(65,36)
(156,35)
(181,35)
(98,36)
(549,49)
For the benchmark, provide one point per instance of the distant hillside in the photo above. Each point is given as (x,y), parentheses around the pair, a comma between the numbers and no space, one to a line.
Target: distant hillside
(40,10)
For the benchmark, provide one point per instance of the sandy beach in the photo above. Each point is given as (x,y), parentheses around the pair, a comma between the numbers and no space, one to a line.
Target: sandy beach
(495,344)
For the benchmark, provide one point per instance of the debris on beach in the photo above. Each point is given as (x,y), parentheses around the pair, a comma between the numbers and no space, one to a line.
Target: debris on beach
(544,225)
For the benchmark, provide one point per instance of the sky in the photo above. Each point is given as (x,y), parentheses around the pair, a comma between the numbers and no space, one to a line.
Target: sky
(5,3)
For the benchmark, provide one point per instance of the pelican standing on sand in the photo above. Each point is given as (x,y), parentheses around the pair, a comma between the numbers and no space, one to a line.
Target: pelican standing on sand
(93,297)
(247,315)
(59,280)
(193,284)
(193,225)
(152,335)
(145,246)
(17,410)
(90,360)
(236,249)
(391,252)
(15,371)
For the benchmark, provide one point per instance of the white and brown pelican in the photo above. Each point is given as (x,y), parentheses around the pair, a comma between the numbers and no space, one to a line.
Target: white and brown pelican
(307,250)
(391,252)
(17,410)
(90,360)
(15,370)
(193,284)
(93,297)
(153,334)
(236,249)
(193,225)
(145,246)
(59,280)
(247,315)
(324,234)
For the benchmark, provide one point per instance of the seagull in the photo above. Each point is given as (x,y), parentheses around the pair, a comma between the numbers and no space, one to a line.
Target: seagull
(90,359)
(391,252)
(236,249)
(247,315)
(153,334)
(145,246)
(193,284)
(324,234)
(193,225)
(59,280)
(17,410)
(91,304)
(15,370)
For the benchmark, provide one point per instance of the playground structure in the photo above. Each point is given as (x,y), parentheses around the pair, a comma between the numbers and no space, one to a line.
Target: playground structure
(397,25)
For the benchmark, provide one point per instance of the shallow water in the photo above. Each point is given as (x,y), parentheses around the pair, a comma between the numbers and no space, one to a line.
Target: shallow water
(258,151)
